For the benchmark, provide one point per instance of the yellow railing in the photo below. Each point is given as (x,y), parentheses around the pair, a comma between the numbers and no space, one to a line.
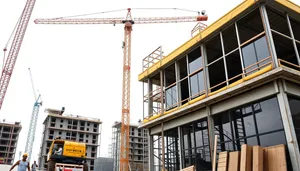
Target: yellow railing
(283,63)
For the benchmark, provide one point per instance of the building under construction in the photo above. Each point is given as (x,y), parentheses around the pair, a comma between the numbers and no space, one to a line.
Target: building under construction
(138,145)
(9,134)
(70,127)
(238,78)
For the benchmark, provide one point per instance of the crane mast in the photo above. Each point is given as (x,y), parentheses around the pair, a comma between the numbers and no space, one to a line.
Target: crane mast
(32,127)
(124,154)
(14,49)
(33,121)
(128,22)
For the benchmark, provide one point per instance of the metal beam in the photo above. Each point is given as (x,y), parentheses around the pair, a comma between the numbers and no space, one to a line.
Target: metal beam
(267,27)
(240,49)
(224,59)
(288,126)
(292,34)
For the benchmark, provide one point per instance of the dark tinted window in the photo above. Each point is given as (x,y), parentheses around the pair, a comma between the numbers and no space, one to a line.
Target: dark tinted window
(249,55)
(229,39)
(285,48)
(261,48)
(295,111)
(250,26)
(258,123)
(248,121)
(278,21)
(213,48)
(171,97)
(195,60)
(296,27)
(298,47)
(272,139)
(197,83)
(268,116)
(182,67)
(255,52)
(234,65)
(217,74)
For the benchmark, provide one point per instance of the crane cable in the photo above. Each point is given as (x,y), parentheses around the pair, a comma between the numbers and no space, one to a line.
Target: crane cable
(111,11)
(102,12)
(179,9)
(9,40)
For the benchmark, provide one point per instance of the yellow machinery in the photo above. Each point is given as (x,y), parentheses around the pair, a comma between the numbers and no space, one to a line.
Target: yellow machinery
(66,152)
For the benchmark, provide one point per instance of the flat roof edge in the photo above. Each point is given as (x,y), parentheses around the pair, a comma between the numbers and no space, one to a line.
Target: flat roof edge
(289,4)
(95,120)
(200,36)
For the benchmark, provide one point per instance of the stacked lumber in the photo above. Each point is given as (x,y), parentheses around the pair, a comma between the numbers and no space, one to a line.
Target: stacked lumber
(254,158)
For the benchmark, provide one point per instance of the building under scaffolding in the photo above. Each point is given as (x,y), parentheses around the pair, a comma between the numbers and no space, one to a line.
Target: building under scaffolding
(138,144)
(239,79)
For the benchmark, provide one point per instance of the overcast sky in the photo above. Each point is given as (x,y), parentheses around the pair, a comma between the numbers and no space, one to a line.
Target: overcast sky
(80,66)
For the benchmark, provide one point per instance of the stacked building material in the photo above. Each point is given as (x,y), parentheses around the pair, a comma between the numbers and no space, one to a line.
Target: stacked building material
(254,158)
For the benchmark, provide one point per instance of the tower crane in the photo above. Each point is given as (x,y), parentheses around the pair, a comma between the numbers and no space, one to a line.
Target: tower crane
(15,48)
(128,21)
(33,120)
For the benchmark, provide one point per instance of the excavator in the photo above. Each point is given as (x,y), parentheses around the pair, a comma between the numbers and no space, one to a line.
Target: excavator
(66,155)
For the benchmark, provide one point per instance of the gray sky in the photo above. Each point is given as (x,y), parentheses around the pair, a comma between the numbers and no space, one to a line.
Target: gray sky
(80,66)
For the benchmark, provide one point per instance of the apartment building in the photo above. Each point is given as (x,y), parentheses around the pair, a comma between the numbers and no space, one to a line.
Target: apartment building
(9,134)
(70,127)
(238,78)
(138,147)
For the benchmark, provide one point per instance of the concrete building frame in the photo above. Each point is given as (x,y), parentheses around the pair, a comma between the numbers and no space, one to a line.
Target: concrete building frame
(276,75)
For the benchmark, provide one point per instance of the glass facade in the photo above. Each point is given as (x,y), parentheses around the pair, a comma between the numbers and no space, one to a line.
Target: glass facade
(285,36)
(195,147)
(258,123)
(231,54)
(294,103)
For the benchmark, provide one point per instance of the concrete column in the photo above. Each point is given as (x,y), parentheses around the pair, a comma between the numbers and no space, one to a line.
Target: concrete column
(163,146)
(1,131)
(269,36)
(288,126)
(162,81)
(150,101)
(178,87)
(180,147)
(205,69)
(150,152)
(188,73)
(211,130)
